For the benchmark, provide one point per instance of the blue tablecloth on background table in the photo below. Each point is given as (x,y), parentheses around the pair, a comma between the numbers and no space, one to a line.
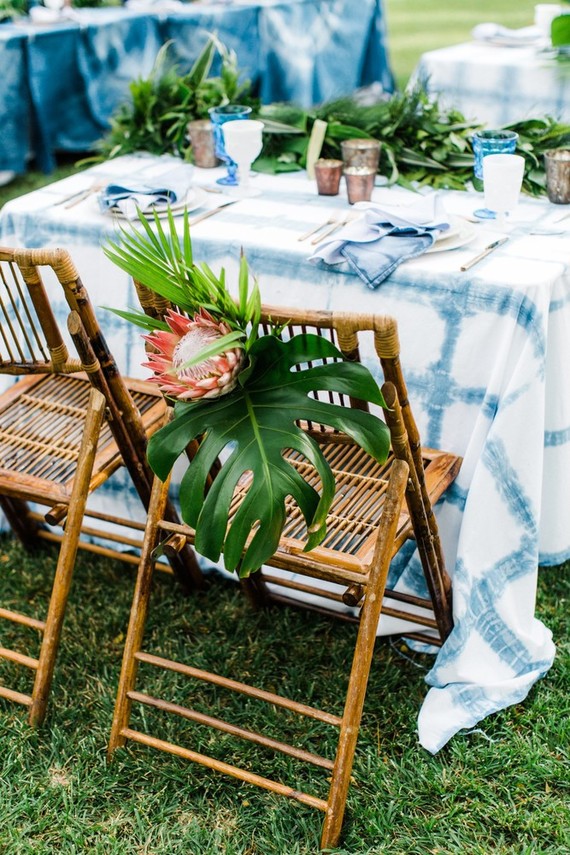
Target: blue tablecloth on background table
(497,85)
(485,355)
(60,83)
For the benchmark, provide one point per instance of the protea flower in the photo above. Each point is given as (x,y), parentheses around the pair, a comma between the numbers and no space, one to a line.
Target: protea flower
(208,379)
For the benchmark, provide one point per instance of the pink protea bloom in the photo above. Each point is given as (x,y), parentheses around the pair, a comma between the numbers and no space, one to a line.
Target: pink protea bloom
(208,379)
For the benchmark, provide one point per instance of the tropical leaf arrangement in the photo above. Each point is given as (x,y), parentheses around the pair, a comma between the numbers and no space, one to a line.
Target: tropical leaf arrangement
(422,143)
(241,395)
(161,105)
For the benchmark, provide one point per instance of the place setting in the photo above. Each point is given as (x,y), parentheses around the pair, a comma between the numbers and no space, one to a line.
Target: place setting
(371,238)
(231,138)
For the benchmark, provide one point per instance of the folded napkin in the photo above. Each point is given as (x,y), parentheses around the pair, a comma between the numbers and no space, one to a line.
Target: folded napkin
(498,34)
(166,188)
(376,243)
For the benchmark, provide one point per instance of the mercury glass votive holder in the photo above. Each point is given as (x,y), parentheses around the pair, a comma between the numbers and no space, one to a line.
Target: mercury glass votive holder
(557,167)
(361,153)
(201,134)
(328,173)
(359,183)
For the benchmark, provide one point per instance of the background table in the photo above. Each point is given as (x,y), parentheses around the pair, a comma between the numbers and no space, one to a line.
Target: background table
(60,84)
(496,85)
(484,353)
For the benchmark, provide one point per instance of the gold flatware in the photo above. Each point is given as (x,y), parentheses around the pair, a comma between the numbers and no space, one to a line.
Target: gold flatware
(70,198)
(98,185)
(316,229)
(334,227)
(213,211)
(488,249)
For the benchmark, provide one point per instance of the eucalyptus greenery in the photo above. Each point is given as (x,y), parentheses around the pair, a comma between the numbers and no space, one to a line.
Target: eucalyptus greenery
(250,427)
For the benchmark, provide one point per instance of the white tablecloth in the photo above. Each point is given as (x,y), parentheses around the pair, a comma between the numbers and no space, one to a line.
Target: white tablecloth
(497,85)
(485,353)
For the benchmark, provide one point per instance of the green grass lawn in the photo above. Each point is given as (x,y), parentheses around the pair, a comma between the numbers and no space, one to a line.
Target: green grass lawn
(416,26)
(502,788)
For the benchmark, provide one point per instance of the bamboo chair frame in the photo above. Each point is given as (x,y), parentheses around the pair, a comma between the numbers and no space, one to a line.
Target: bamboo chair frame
(41,445)
(416,474)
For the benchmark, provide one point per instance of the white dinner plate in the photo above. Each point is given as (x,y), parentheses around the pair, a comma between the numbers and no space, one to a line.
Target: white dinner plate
(460,233)
(519,42)
(195,198)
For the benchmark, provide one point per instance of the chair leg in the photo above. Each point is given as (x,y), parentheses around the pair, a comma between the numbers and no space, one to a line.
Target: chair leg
(17,514)
(362,660)
(66,559)
(137,620)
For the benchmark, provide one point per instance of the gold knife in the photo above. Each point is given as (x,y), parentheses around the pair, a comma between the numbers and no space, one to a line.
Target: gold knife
(488,249)
(213,211)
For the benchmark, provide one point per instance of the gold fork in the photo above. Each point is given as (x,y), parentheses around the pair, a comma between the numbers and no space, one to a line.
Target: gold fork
(83,194)
(334,226)
(332,219)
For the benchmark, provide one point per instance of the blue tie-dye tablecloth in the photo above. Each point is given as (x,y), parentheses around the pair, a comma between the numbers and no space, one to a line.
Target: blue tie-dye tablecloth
(485,353)
(61,82)
(496,85)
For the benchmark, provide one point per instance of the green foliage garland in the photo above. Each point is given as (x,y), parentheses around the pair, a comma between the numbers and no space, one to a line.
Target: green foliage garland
(422,143)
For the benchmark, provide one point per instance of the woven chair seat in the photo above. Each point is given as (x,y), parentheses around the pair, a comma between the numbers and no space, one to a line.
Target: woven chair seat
(42,421)
(352,522)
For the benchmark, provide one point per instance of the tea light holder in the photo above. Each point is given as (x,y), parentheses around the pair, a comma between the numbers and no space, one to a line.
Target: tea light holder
(328,174)
(557,166)
(359,183)
(201,134)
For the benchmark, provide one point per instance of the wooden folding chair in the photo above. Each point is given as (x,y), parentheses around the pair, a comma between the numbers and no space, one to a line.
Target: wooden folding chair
(365,529)
(48,453)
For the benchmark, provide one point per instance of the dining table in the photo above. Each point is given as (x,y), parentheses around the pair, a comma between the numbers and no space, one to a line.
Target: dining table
(484,352)
(497,84)
(64,75)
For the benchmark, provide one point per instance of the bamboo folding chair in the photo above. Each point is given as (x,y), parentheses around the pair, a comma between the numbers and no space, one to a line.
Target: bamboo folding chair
(367,525)
(53,449)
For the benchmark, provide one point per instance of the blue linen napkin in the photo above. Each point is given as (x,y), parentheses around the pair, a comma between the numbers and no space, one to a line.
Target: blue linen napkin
(162,189)
(385,236)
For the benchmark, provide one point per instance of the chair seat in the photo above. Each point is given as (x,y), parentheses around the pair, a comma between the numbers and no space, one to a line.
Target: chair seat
(42,419)
(352,523)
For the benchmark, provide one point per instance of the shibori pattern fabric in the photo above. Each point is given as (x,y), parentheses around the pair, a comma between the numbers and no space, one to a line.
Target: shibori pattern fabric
(477,79)
(305,51)
(485,355)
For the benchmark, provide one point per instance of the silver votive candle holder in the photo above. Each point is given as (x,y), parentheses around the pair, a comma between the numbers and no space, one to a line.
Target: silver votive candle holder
(201,133)
(557,167)
(359,183)
(328,173)
(361,153)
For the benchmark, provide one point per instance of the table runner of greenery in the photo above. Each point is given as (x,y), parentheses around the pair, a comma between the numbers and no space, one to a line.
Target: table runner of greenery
(422,141)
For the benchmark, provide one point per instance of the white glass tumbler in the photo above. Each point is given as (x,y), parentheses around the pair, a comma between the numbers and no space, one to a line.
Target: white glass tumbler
(502,181)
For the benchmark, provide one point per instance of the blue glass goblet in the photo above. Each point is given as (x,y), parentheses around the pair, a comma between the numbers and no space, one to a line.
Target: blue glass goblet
(219,116)
(484,143)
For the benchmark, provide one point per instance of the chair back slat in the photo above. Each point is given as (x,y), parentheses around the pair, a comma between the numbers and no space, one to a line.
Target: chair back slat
(23,341)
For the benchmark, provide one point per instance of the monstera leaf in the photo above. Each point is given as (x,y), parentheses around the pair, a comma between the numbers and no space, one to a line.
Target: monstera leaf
(255,424)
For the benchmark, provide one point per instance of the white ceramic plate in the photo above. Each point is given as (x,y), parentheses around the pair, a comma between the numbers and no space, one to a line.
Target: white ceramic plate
(461,233)
(195,198)
(455,224)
